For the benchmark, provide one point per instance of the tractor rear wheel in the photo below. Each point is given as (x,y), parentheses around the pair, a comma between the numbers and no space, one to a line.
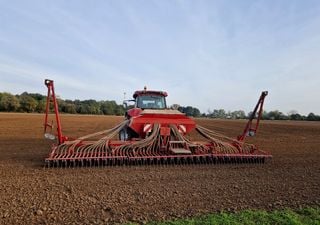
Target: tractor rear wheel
(127,133)
(123,134)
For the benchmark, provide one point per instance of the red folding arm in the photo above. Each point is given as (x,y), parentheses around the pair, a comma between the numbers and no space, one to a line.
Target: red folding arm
(251,128)
(51,97)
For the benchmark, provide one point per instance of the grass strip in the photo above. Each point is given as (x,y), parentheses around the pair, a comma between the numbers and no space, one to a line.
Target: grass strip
(308,216)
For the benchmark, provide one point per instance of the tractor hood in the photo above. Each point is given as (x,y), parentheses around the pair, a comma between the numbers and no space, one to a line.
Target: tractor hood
(141,124)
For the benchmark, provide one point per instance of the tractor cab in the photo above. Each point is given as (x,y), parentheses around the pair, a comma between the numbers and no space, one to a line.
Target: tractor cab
(150,101)
(147,99)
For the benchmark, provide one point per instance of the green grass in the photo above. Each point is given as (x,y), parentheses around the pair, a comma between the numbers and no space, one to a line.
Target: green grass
(309,216)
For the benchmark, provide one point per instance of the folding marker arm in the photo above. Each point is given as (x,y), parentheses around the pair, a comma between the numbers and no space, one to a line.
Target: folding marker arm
(251,128)
(51,97)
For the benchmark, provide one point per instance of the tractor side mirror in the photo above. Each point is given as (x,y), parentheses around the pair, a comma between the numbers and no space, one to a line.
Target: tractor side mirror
(126,103)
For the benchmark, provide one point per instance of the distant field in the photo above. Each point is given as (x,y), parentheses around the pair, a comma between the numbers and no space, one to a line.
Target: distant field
(31,194)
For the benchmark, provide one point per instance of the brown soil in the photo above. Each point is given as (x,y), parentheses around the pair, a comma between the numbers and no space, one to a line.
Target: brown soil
(31,194)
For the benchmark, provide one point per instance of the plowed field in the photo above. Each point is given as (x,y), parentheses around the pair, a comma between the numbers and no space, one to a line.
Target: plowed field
(32,194)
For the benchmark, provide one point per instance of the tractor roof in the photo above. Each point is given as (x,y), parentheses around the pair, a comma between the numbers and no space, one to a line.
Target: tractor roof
(147,92)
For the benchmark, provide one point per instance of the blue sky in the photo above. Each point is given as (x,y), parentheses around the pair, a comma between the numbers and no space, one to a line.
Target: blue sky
(208,54)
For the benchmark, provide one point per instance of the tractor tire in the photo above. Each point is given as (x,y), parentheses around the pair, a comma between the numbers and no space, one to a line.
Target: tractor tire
(123,134)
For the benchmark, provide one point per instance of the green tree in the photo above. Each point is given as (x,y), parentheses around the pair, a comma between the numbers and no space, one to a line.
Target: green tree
(69,108)
(106,108)
(175,106)
(312,117)
(218,113)
(196,112)
(238,114)
(9,102)
(119,110)
(190,111)
(276,115)
(295,116)
(111,108)
(92,106)
(41,106)
(27,103)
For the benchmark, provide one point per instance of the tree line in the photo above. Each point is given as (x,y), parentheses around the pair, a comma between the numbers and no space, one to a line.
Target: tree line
(271,115)
(240,114)
(34,102)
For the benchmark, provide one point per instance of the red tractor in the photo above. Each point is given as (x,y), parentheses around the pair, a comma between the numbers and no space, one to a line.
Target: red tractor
(150,107)
(152,134)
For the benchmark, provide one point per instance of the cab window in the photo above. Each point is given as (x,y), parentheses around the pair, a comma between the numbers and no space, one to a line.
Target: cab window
(151,102)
